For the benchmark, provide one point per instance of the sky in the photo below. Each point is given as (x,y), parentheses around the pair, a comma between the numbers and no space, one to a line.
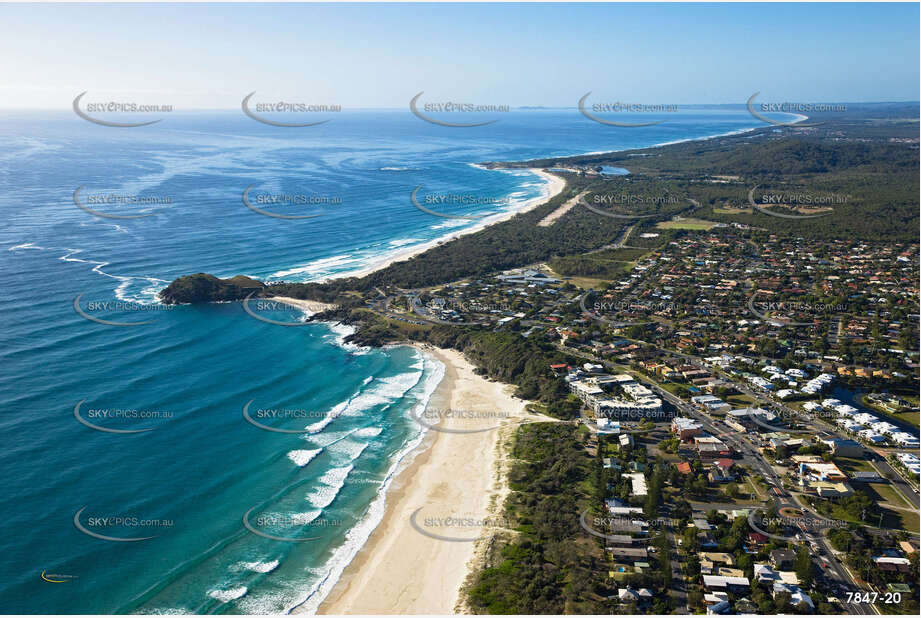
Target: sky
(380,55)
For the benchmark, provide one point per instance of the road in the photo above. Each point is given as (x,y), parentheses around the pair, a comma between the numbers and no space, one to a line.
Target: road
(837,573)
(679,586)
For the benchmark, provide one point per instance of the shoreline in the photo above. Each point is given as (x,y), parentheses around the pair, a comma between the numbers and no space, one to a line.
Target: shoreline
(400,570)
(554,185)
(799,118)
(310,307)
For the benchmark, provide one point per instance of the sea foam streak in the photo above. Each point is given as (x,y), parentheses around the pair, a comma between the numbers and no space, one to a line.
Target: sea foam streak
(26,245)
(147,295)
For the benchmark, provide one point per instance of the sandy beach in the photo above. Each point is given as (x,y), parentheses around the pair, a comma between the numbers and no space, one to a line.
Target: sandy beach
(453,489)
(310,306)
(555,184)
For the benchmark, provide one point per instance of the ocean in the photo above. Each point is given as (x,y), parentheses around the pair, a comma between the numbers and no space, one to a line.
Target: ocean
(310,493)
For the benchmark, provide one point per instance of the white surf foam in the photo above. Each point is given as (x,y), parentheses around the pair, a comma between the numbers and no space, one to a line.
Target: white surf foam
(302,519)
(302,457)
(316,267)
(331,483)
(225,596)
(368,432)
(25,245)
(258,567)
(405,241)
(147,295)
(358,535)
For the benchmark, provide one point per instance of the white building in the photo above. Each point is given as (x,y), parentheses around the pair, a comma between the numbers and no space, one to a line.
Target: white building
(638,481)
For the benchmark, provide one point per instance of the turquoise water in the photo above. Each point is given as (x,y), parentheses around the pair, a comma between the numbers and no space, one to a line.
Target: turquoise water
(193,369)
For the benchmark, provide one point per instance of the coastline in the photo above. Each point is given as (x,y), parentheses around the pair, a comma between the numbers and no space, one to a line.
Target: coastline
(310,307)
(401,570)
(554,186)
(799,118)
(398,570)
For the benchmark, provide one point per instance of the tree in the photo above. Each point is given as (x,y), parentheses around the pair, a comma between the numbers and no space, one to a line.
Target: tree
(802,564)
(732,490)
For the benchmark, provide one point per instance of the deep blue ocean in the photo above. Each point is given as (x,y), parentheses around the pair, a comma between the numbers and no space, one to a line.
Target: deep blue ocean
(187,373)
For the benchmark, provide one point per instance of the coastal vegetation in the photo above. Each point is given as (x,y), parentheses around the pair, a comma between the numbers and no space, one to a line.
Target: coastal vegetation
(551,567)
(690,199)
(871,180)
(502,356)
(203,288)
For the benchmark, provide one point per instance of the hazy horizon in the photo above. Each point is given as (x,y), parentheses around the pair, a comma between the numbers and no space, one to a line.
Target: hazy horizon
(378,56)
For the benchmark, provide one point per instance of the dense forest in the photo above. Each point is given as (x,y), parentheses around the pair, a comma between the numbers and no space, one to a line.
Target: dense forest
(869,155)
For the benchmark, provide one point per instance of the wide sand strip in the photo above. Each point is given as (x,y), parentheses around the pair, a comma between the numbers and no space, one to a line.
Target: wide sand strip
(310,306)
(458,481)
